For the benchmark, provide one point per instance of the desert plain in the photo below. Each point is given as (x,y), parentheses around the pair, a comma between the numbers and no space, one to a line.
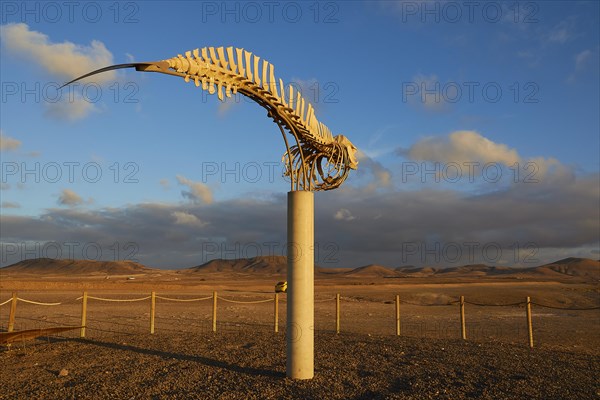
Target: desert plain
(245,358)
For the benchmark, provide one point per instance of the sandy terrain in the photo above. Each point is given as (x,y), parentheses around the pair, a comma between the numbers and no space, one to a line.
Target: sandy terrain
(243,365)
(245,358)
(366,307)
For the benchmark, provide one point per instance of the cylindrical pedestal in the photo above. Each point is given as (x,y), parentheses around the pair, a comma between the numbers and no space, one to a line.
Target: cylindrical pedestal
(300,276)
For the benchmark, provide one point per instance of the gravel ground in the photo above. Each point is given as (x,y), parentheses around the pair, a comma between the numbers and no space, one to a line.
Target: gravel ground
(240,365)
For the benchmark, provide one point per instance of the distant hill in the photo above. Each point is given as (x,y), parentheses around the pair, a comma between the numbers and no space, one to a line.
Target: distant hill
(578,269)
(572,266)
(568,268)
(416,272)
(263,265)
(49,266)
(473,270)
(267,265)
(372,270)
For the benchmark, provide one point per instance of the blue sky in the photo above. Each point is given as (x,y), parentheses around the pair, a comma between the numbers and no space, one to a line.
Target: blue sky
(477,125)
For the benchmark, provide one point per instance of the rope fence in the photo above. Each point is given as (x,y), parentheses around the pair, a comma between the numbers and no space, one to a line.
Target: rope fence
(118,300)
(451,303)
(325,300)
(39,303)
(496,305)
(567,309)
(461,302)
(245,302)
(5,302)
(183,300)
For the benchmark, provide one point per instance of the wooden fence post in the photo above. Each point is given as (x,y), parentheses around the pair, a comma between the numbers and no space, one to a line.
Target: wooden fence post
(152,310)
(83,314)
(13,311)
(214,318)
(463,328)
(397,315)
(529,324)
(337,313)
(276,312)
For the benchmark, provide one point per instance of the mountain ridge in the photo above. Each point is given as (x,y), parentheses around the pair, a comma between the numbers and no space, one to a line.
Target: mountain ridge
(571,267)
(48,266)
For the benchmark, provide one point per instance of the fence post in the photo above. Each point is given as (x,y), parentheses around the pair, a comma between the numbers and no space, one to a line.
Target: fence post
(152,310)
(397,315)
(529,325)
(337,313)
(214,318)
(463,328)
(276,312)
(13,311)
(83,314)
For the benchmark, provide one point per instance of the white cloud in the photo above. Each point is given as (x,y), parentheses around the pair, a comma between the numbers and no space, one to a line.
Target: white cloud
(69,198)
(343,214)
(66,60)
(581,59)
(198,193)
(165,183)
(561,32)
(70,109)
(551,169)
(184,218)
(461,146)
(9,204)
(7,143)
(517,215)
(378,176)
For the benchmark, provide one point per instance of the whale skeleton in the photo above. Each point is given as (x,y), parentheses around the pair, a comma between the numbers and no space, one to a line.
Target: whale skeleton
(317,161)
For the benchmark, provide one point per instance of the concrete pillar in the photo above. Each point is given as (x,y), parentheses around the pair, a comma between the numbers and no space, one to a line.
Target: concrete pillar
(301,291)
